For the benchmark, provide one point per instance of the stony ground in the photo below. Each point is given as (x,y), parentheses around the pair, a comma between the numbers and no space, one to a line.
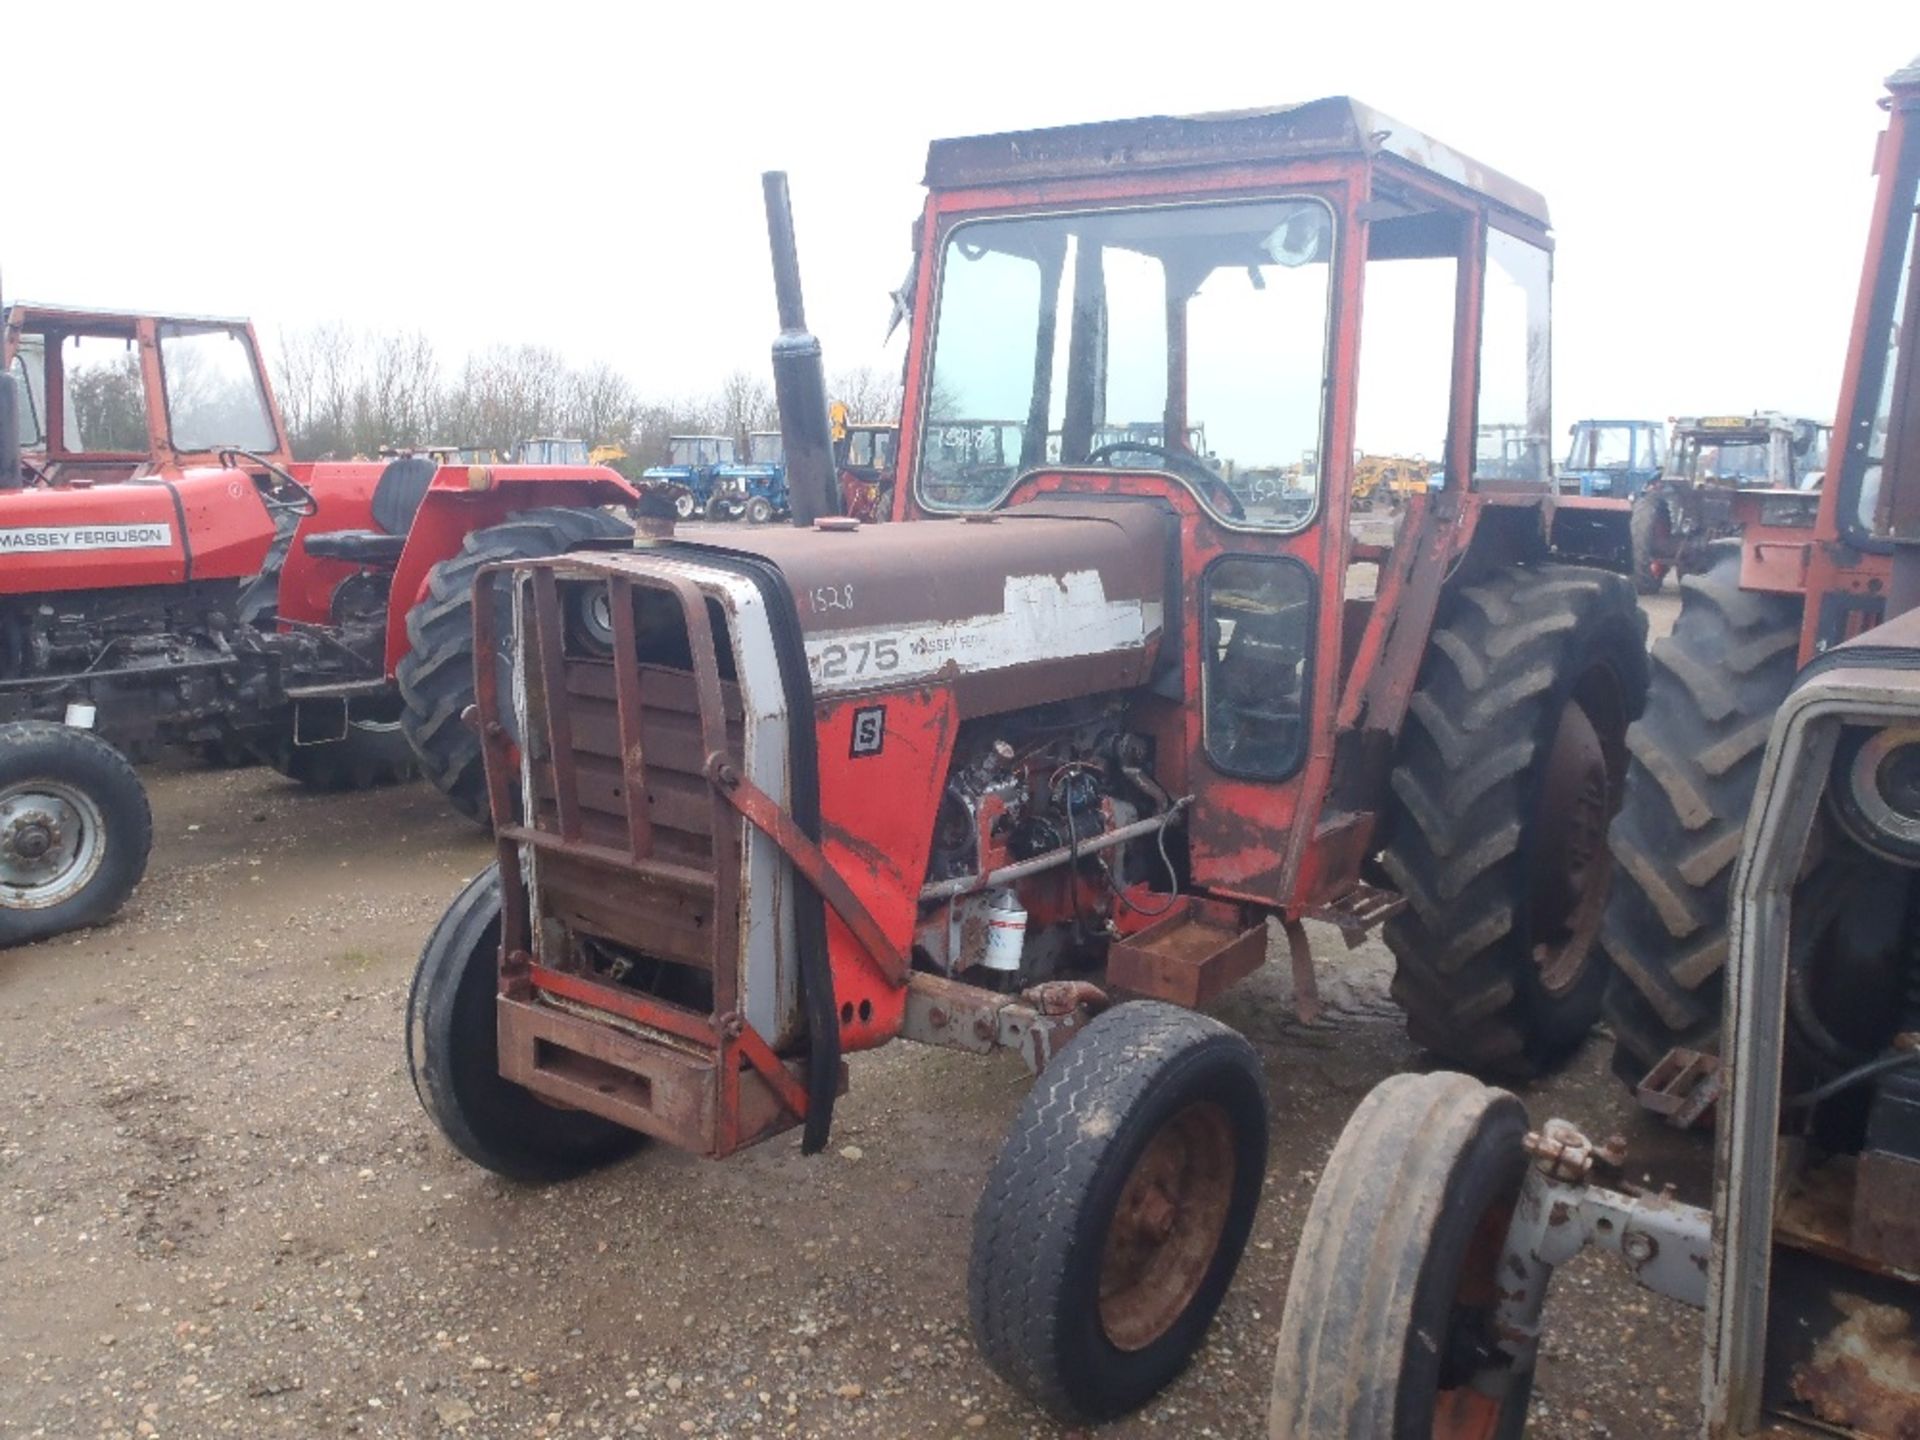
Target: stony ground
(222,1211)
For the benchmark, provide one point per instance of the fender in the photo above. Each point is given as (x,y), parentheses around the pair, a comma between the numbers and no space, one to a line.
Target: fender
(205,524)
(343,493)
(454,509)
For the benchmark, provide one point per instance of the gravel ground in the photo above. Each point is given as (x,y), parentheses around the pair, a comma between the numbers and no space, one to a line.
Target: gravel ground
(222,1211)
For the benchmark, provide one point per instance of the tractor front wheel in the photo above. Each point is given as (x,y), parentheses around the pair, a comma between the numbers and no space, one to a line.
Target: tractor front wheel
(1389,1328)
(436,673)
(75,830)
(1117,1211)
(759,510)
(453,1053)
(1511,766)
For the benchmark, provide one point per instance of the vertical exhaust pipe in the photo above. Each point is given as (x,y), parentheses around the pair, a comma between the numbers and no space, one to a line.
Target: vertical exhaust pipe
(799,373)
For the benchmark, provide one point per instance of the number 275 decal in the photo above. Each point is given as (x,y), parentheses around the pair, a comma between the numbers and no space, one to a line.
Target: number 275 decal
(843,660)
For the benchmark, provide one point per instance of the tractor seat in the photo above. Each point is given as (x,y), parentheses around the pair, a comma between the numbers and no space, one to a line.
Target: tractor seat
(396,497)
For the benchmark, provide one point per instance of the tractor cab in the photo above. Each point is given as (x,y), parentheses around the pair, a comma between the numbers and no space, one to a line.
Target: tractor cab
(1615,459)
(552,450)
(1750,452)
(114,396)
(864,453)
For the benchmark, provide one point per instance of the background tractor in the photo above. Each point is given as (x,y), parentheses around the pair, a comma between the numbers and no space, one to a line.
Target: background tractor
(1090,723)
(1691,502)
(864,452)
(1613,459)
(1416,1302)
(171,576)
(753,489)
(692,463)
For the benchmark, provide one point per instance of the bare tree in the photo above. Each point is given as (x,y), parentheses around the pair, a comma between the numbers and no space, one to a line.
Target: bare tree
(868,393)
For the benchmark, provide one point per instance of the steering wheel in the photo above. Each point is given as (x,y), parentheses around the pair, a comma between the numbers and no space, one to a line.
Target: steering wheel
(1180,463)
(287,495)
(37,475)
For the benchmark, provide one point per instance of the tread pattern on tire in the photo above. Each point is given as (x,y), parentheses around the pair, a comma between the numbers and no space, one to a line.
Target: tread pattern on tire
(436,674)
(1349,1308)
(1505,651)
(1022,1238)
(1695,759)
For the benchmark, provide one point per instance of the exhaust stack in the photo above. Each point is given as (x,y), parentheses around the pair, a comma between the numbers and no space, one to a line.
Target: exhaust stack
(799,374)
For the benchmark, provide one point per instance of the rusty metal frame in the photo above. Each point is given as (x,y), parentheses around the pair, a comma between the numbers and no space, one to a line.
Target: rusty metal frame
(524,977)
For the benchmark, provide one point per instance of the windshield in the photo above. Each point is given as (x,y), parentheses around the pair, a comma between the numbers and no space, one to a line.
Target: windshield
(870,448)
(700,450)
(1092,338)
(553,452)
(214,397)
(1705,458)
(1613,447)
(764,448)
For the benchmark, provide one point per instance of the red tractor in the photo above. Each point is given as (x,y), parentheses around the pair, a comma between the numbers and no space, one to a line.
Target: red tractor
(171,575)
(1091,723)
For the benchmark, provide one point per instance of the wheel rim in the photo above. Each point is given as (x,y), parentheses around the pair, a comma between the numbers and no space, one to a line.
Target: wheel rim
(1468,1346)
(1167,1226)
(51,843)
(1572,870)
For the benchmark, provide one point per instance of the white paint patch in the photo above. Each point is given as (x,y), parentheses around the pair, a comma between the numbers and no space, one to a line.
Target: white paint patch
(1043,617)
(36,539)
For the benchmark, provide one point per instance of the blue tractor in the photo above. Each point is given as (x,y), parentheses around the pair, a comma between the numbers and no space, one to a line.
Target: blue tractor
(755,487)
(1613,459)
(693,464)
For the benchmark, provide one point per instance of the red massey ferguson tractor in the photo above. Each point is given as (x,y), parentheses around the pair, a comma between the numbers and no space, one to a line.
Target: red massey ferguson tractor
(1073,731)
(167,573)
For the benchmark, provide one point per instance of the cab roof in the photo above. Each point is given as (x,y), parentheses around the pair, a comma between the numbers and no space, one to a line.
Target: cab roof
(32,312)
(1334,126)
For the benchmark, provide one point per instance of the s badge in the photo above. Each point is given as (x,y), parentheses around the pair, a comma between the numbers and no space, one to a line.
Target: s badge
(869,730)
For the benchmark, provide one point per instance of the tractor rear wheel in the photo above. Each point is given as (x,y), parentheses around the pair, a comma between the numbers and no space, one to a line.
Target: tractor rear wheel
(75,830)
(436,673)
(1717,680)
(1391,1308)
(1117,1210)
(1511,765)
(453,1054)
(1650,531)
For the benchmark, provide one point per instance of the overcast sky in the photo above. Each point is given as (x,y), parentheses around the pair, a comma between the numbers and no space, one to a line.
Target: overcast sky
(586,176)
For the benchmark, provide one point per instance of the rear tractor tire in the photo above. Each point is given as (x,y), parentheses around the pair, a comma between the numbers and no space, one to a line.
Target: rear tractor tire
(453,1054)
(436,674)
(75,830)
(1511,764)
(1117,1211)
(1717,680)
(1650,532)
(1389,1327)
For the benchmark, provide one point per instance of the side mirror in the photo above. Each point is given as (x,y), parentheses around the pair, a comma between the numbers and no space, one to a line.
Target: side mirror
(9,433)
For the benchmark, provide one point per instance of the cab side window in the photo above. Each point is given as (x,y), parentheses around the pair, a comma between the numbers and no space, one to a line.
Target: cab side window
(1258,624)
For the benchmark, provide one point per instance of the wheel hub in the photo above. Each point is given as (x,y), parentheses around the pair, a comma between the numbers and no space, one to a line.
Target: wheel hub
(49,843)
(1167,1226)
(1573,866)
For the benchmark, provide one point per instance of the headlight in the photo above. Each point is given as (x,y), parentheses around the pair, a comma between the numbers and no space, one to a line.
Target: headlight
(1875,790)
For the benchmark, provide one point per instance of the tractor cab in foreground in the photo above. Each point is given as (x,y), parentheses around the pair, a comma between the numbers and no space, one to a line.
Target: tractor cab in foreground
(1100,719)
